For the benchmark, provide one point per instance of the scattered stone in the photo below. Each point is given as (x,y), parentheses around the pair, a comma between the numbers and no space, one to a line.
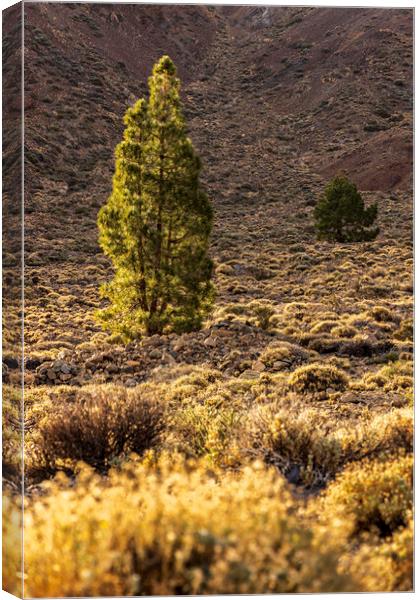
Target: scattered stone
(249,374)
(230,346)
(168,358)
(278,365)
(55,372)
(258,366)
(132,365)
(178,346)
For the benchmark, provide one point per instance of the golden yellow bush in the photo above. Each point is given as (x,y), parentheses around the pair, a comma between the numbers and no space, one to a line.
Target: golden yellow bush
(344,331)
(405,330)
(323,326)
(283,355)
(383,314)
(376,495)
(204,429)
(315,378)
(12,432)
(384,435)
(174,527)
(12,544)
(396,377)
(386,566)
(190,385)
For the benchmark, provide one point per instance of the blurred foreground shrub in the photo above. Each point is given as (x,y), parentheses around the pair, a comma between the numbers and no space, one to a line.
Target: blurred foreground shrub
(174,527)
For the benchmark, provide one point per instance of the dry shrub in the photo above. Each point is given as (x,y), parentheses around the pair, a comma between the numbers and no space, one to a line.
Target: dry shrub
(388,434)
(190,385)
(323,327)
(12,433)
(359,346)
(309,450)
(376,495)
(405,330)
(315,378)
(286,355)
(258,312)
(344,331)
(393,377)
(386,566)
(176,528)
(383,314)
(100,426)
(263,311)
(294,443)
(12,544)
(321,343)
(198,430)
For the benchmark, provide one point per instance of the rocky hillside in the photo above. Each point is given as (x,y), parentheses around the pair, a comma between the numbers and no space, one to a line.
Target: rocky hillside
(277,100)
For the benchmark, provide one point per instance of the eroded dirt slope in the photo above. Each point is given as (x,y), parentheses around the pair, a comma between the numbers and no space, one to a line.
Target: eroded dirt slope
(277,101)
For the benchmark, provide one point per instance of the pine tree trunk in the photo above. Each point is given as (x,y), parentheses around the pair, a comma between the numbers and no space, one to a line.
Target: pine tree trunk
(159,228)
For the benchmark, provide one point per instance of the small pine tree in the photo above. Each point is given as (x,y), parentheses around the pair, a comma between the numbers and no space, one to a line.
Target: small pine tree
(341,216)
(156,224)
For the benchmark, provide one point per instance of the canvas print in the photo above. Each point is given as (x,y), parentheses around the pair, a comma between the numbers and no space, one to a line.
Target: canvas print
(207,299)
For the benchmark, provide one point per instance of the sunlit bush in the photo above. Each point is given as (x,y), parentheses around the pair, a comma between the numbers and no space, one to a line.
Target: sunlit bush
(386,566)
(294,443)
(12,432)
(323,327)
(263,312)
(344,331)
(12,544)
(384,435)
(204,429)
(98,427)
(393,377)
(176,528)
(405,330)
(283,355)
(317,378)
(376,495)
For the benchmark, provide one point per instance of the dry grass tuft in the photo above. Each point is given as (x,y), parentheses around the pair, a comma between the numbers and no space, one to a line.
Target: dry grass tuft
(99,427)
(316,378)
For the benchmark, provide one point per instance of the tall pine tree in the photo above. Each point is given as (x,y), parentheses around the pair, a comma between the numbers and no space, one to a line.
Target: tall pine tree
(156,224)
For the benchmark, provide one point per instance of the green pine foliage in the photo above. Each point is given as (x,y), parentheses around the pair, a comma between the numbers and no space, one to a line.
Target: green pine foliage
(341,216)
(156,224)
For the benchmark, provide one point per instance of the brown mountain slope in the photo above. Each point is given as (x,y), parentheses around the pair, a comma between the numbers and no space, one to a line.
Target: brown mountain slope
(277,100)
(335,78)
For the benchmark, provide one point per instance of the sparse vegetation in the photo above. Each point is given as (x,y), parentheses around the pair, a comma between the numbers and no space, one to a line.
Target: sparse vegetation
(376,495)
